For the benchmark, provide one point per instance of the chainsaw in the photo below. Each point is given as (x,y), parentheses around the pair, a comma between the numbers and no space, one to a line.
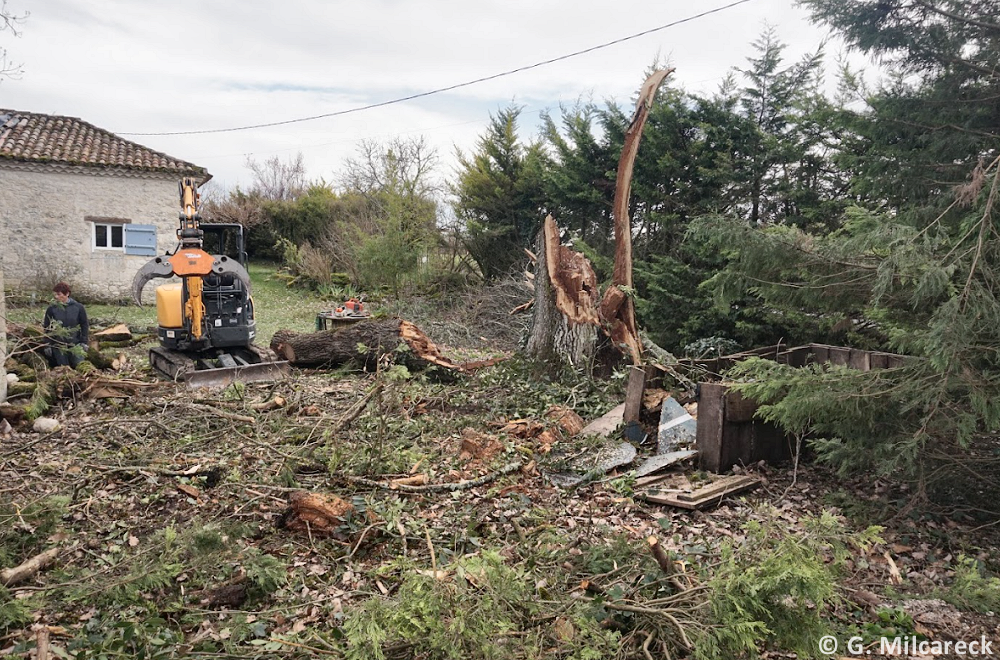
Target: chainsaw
(351,308)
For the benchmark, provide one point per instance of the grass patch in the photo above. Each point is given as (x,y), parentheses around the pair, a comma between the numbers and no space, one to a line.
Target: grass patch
(277,307)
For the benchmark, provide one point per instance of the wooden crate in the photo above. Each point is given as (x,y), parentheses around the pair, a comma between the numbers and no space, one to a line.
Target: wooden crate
(728,433)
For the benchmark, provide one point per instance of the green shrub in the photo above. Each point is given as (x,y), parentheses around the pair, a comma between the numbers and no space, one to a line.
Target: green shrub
(13,613)
(776,588)
(971,589)
(481,609)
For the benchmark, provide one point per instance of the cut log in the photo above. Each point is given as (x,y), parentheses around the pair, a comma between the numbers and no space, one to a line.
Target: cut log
(362,343)
(13,414)
(564,326)
(617,307)
(118,332)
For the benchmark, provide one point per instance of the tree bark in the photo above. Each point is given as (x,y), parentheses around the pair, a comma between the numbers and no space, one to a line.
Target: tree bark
(564,326)
(363,343)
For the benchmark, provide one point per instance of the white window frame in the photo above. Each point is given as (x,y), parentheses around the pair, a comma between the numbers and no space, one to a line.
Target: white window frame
(108,226)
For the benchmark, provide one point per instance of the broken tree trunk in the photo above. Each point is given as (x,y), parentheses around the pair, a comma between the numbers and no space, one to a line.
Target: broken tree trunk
(362,343)
(564,327)
(617,306)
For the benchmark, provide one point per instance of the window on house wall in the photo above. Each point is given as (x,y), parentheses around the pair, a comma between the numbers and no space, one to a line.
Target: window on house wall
(121,234)
(109,236)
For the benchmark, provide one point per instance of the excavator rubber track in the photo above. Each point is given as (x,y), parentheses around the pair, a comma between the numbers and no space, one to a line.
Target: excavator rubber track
(252,364)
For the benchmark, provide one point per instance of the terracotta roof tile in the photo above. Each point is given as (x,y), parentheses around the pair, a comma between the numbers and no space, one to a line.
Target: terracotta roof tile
(34,137)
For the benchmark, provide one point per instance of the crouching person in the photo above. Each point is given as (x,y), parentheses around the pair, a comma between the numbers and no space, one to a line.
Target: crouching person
(66,324)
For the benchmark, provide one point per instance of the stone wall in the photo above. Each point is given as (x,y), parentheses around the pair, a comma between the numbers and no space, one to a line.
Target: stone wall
(46,237)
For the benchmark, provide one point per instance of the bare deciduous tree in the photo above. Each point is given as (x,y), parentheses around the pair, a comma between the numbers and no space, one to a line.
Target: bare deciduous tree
(9,21)
(401,165)
(277,180)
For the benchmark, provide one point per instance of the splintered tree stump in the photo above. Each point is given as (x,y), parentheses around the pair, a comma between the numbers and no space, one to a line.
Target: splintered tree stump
(362,343)
(564,327)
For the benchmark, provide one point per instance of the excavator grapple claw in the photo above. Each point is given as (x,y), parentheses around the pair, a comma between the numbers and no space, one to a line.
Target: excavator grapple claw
(225,266)
(159,267)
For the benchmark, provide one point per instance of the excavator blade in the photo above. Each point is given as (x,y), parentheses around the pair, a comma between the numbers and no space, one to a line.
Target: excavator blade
(183,367)
(159,267)
(224,376)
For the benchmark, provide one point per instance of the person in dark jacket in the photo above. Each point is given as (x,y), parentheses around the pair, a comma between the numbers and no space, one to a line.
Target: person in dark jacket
(67,326)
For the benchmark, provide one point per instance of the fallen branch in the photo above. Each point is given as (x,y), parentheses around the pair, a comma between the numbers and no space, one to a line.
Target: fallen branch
(431,488)
(246,419)
(355,410)
(272,404)
(12,576)
(194,471)
(41,643)
(522,307)
(665,562)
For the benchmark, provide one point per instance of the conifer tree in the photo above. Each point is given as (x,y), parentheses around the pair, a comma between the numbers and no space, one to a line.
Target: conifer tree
(935,116)
(498,195)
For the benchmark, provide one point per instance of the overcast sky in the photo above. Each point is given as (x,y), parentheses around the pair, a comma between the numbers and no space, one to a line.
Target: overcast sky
(137,66)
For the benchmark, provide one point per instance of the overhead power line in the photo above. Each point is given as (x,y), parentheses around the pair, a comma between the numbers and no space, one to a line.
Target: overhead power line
(450,87)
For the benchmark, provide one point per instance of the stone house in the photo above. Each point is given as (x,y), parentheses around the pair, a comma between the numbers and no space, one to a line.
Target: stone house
(82,205)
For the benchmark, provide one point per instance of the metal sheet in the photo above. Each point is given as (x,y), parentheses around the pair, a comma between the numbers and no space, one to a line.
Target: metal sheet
(677,428)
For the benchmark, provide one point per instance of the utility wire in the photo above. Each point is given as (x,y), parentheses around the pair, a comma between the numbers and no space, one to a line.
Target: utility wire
(451,87)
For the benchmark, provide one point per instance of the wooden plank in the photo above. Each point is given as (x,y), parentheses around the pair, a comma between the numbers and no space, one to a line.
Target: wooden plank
(711,411)
(718,487)
(706,497)
(738,408)
(796,356)
(860,360)
(737,445)
(896,361)
(839,355)
(633,395)
(606,423)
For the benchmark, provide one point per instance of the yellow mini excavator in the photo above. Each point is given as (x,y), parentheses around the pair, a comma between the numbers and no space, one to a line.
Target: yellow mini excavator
(206,324)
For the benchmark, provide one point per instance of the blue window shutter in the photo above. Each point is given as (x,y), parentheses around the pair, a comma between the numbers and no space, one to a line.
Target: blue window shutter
(140,240)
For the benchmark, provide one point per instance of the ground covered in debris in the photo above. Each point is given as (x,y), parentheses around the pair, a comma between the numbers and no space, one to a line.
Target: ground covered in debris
(402,515)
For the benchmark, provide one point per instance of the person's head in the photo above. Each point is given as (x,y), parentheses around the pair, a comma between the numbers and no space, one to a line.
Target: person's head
(61,291)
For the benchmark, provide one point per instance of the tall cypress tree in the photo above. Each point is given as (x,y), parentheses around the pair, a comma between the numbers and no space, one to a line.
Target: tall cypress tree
(498,195)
